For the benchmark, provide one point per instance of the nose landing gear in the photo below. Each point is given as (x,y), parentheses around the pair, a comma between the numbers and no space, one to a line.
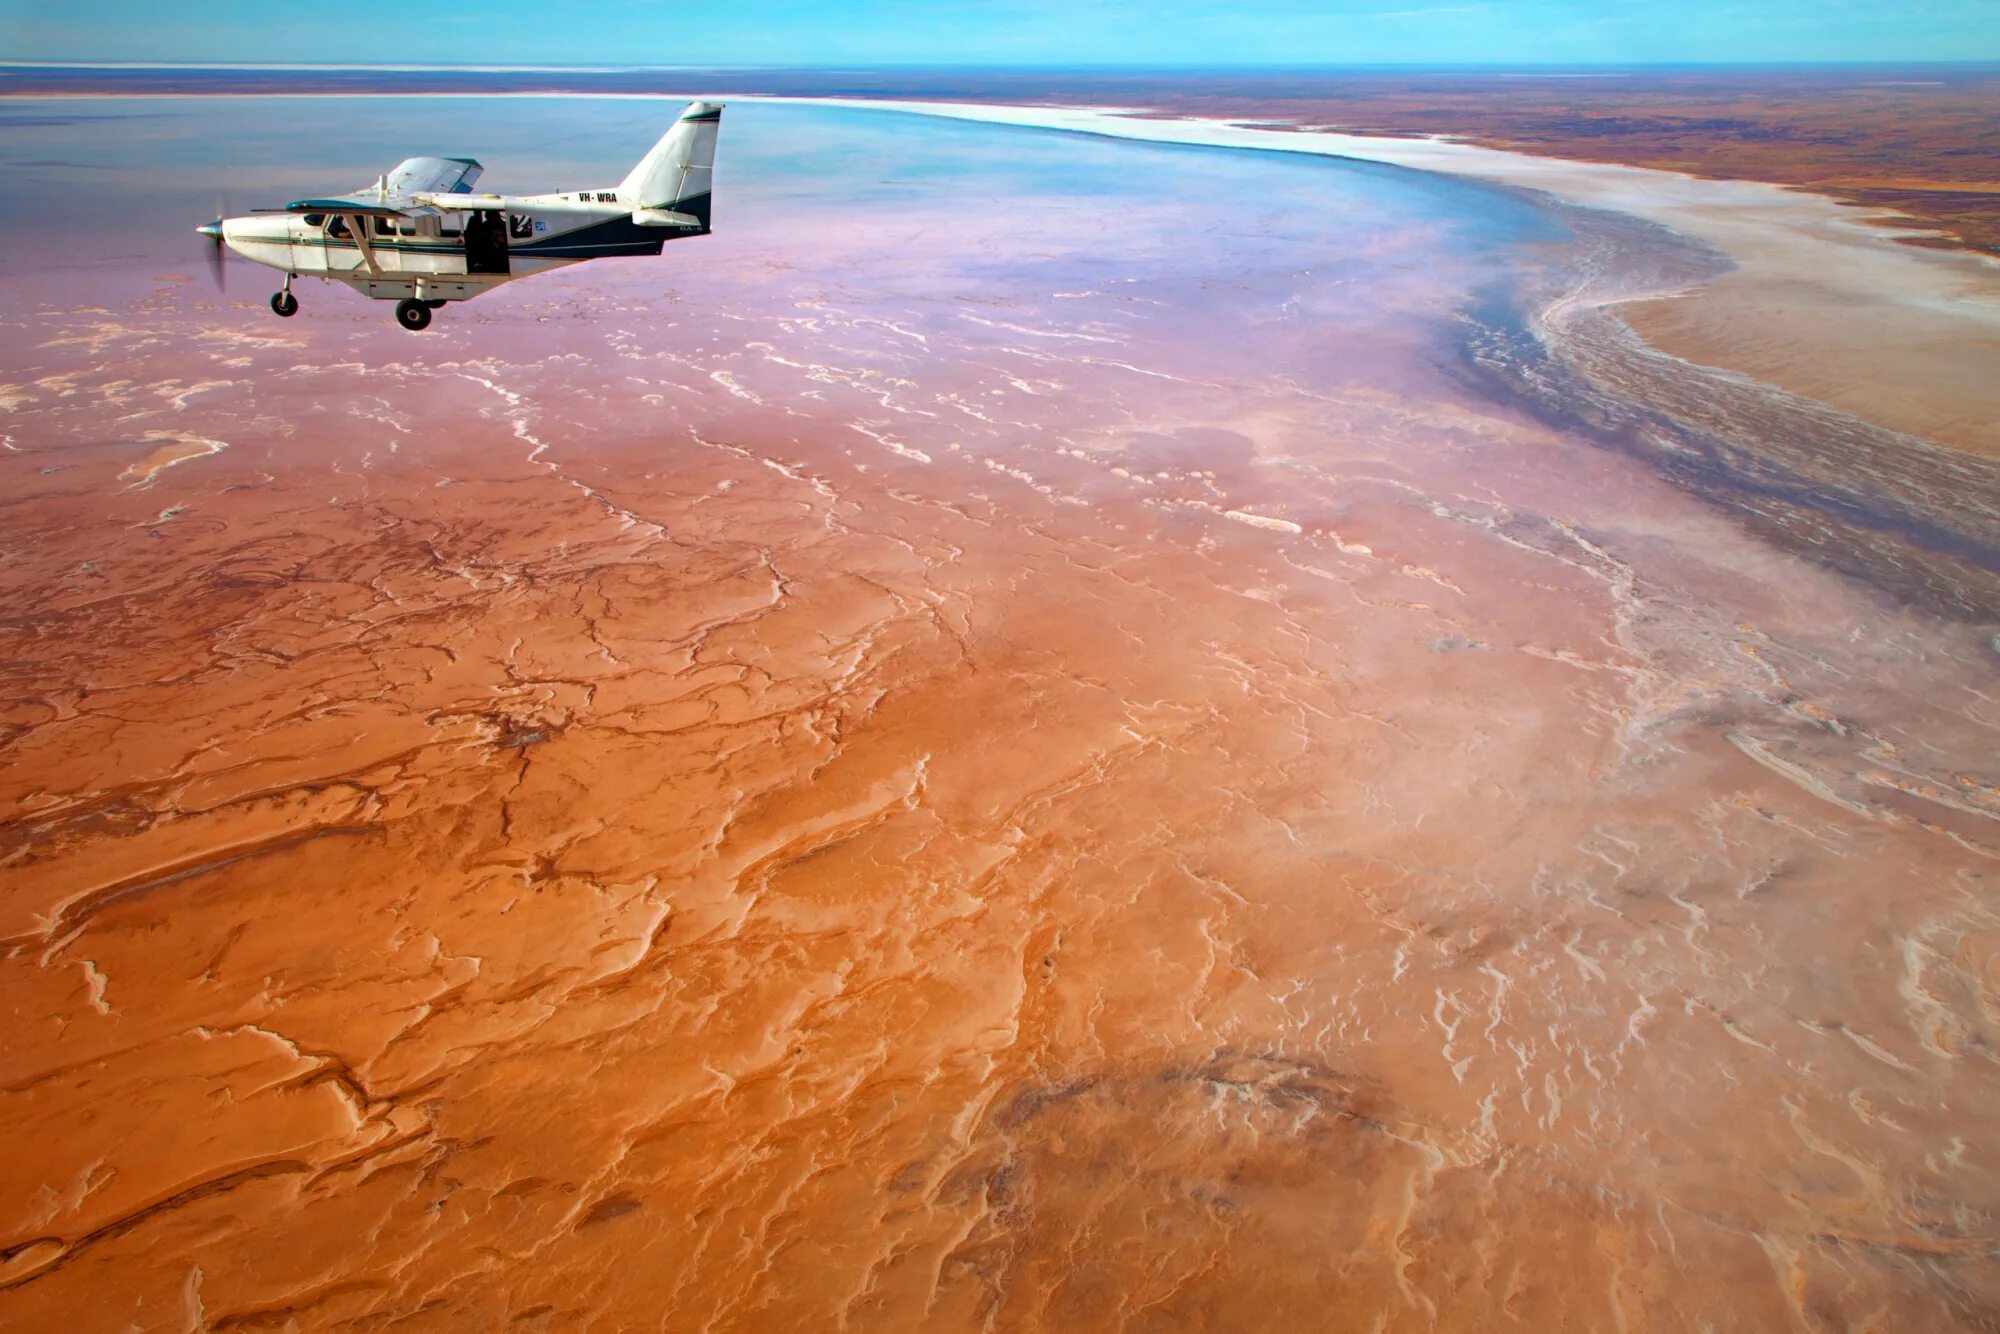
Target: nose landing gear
(413,314)
(282,300)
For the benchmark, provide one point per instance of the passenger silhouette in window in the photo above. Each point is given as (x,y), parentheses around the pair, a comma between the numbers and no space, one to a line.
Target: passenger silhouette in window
(486,243)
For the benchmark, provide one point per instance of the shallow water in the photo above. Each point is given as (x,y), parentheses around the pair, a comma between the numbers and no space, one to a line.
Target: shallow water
(1039,733)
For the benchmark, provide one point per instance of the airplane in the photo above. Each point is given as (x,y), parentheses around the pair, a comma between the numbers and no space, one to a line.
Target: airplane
(420,236)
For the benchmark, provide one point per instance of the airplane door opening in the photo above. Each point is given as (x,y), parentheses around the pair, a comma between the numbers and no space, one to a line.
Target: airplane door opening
(486,243)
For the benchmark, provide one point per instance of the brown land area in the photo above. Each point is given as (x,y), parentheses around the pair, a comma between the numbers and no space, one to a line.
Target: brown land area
(1921,142)
(891,775)
(958,818)
(1908,350)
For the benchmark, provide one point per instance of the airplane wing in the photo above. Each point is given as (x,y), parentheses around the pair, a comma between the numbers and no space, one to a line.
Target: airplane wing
(459,202)
(356,208)
(431,175)
(396,194)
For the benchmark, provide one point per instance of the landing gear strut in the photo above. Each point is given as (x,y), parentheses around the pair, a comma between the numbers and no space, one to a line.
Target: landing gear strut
(283,301)
(413,314)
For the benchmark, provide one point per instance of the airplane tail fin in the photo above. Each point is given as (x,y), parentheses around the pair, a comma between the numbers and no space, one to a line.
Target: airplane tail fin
(679,173)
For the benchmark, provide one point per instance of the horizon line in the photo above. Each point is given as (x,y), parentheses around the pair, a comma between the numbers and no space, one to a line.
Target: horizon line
(598,67)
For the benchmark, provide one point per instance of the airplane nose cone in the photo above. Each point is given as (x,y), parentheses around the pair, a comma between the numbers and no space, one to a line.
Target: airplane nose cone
(211,229)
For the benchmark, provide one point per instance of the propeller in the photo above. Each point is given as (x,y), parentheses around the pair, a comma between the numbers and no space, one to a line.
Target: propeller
(213,231)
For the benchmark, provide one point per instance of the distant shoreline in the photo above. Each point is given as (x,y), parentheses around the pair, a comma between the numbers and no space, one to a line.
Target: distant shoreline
(1824,301)
(1916,139)
(1497,70)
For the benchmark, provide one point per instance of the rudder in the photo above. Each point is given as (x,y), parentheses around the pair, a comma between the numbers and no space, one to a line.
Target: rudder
(679,174)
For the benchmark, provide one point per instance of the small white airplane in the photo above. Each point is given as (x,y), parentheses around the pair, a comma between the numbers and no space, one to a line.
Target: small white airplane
(420,237)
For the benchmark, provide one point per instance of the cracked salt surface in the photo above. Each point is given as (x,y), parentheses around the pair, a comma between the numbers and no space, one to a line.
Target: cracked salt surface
(629,858)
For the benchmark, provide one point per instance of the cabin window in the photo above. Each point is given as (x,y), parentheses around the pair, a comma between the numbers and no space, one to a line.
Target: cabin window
(315,219)
(520,226)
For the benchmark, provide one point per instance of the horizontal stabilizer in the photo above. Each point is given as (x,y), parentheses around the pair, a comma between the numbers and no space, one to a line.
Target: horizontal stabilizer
(662,217)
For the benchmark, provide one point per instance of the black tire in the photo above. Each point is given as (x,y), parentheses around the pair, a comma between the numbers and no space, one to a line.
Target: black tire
(285,304)
(413,314)
(435,305)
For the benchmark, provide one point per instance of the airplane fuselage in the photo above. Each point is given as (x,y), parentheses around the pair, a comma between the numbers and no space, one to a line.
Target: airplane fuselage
(441,257)
(421,236)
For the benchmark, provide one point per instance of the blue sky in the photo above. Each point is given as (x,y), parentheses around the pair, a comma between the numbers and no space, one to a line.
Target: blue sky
(1007,32)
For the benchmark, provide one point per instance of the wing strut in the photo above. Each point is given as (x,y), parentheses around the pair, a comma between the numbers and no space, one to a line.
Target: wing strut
(357,227)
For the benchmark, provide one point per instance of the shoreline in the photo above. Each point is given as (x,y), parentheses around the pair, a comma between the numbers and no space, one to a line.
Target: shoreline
(1823,301)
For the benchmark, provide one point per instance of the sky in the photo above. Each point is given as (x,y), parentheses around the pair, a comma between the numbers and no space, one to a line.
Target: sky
(1006,32)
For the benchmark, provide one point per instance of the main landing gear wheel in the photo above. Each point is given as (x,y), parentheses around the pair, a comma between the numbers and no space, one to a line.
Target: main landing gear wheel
(412,314)
(285,304)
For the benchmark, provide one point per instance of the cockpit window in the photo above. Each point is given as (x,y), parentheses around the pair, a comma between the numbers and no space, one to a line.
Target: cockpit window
(315,219)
